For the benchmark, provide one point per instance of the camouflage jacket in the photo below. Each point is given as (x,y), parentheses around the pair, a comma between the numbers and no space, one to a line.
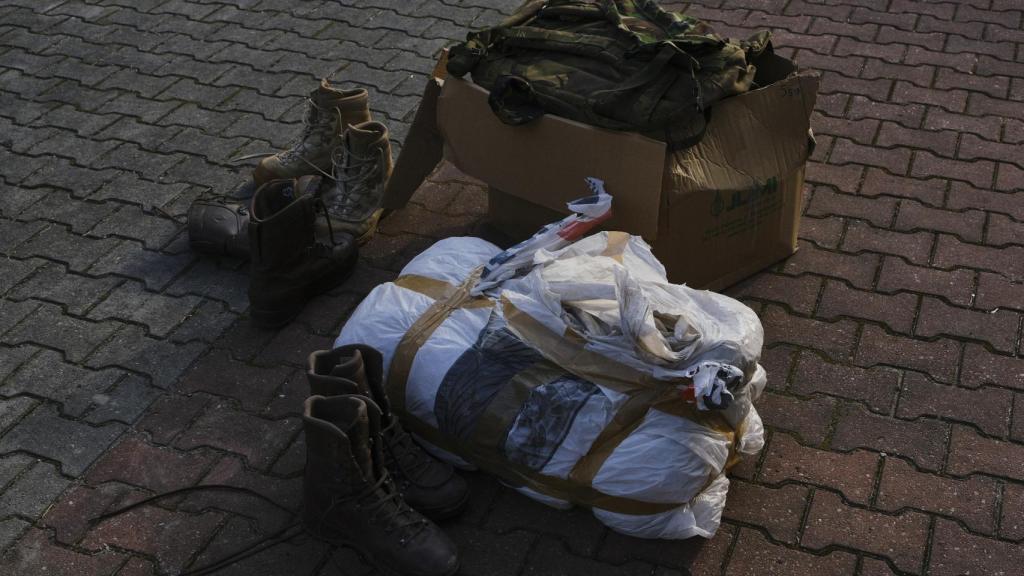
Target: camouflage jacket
(617,64)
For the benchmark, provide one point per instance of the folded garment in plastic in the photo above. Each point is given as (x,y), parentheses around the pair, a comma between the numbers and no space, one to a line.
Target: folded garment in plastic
(586,378)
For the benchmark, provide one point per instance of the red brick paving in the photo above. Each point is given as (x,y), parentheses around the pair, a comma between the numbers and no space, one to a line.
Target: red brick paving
(895,408)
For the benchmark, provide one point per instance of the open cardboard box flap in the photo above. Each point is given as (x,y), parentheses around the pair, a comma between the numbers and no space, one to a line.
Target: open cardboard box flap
(750,138)
(546,161)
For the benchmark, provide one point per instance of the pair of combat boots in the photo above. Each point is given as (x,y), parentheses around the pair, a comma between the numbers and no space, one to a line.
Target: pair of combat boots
(341,142)
(367,484)
(313,204)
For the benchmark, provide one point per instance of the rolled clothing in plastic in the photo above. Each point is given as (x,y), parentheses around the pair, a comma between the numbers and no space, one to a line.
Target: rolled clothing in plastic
(586,378)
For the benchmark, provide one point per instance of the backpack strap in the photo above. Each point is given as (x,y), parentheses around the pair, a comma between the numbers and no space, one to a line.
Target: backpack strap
(648,73)
(513,100)
(606,49)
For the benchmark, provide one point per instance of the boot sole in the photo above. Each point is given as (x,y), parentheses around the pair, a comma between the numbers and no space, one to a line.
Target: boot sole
(366,236)
(278,317)
(383,569)
(261,175)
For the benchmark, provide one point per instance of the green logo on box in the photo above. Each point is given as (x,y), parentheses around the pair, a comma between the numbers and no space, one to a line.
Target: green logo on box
(717,205)
(741,198)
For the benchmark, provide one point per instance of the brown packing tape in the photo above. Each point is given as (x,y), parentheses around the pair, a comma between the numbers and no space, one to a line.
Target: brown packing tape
(711,419)
(520,476)
(430,287)
(714,421)
(734,455)
(487,456)
(617,242)
(501,412)
(497,419)
(560,350)
(420,332)
(568,352)
(625,421)
(629,417)
(439,290)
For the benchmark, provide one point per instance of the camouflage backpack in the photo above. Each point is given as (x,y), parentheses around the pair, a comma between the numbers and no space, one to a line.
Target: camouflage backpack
(617,64)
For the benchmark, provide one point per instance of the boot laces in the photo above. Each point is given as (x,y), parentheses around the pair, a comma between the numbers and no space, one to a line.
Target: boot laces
(316,132)
(385,504)
(408,457)
(352,198)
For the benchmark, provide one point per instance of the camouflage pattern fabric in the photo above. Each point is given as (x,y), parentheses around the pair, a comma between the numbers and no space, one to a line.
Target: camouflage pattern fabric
(617,64)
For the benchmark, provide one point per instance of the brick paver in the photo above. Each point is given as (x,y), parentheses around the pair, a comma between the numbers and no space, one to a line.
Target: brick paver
(128,366)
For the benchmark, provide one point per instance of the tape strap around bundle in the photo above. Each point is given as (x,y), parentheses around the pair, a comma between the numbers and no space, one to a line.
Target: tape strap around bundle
(626,420)
(430,287)
(496,420)
(495,423)
(646,392)
(486,455)
(569,352)
(521,476)
(423,328)
(629,417)
(715,421)
(572,355)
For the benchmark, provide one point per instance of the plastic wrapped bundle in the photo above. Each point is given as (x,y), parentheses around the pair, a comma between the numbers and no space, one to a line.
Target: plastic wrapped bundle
(584,378)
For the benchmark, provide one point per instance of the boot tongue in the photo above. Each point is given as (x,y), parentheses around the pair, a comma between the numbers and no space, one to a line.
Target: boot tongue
(359,443)
(353,369)
(361,138)
(324,92)
(321,111)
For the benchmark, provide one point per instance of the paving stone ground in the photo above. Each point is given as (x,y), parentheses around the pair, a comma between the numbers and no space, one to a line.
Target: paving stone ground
(128,367)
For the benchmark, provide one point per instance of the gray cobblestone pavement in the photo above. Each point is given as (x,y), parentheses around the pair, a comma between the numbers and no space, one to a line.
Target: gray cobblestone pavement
(128,366)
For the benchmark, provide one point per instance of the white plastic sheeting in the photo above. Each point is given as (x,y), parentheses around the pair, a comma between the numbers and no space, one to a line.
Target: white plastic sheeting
(654,327)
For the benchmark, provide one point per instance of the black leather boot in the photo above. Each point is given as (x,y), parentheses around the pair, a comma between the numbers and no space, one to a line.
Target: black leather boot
(219,227)
(429,485)
(290,264)
(350,500)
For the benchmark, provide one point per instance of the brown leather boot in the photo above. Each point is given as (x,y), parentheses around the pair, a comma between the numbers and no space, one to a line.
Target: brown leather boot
(289,263)
(350,500)
(361,168)
(430,486)
(330,111)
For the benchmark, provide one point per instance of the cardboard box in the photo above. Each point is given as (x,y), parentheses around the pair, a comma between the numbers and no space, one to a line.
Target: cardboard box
(714,213)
